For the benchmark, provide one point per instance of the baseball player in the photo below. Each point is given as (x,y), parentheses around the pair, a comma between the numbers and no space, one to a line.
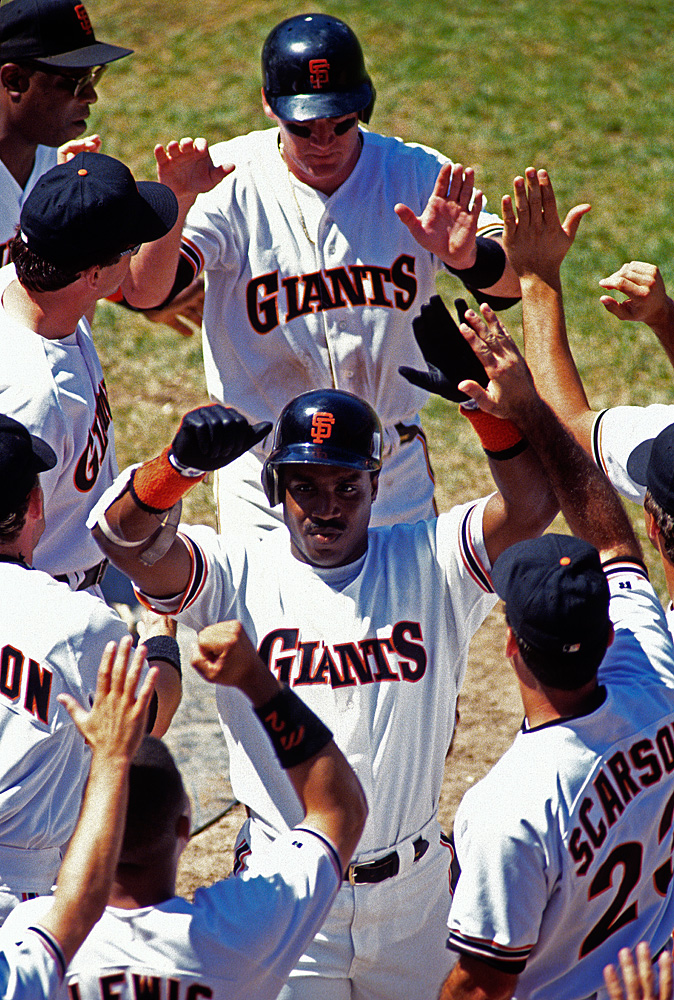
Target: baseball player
(369,627)
(79,228)
(50,62)
(240,937)
(312,280)
(113,729)
(51,642)
(566,862)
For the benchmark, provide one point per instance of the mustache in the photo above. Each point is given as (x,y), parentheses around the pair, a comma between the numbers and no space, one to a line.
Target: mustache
(318,524)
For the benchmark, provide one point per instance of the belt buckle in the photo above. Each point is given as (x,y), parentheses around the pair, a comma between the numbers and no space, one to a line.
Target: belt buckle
(351,874)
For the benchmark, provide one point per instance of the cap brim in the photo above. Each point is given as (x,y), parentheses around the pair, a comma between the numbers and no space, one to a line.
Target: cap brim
(161,212)
(637,461)
(97,54)
(304,107)
(44,454)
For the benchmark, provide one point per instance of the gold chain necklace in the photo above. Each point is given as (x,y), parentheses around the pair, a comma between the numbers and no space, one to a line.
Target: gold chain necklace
(295,198)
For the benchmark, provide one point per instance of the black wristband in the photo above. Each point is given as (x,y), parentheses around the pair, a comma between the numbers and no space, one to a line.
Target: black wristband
(490,262)
(164,647)
(295,731)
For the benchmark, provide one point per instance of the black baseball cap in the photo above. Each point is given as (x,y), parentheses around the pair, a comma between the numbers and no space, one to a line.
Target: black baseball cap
(85,211)
(654,468)
(55,32)
(556,599)
(22,456)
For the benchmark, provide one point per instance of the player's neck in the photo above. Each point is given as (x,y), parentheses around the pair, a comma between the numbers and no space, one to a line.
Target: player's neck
(53,315)
(18,157)
(135,887)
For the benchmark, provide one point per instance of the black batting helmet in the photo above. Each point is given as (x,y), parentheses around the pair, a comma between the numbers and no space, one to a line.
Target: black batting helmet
(323,427)
(313,67)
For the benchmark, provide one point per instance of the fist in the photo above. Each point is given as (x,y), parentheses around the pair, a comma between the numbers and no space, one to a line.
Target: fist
(211,437)
(226,655)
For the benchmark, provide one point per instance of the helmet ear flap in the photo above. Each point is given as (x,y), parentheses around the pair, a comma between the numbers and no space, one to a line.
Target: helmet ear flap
(366,113)
(271,484)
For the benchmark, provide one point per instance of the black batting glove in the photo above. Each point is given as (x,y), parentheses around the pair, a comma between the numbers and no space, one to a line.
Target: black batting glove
(211,437)
(450,359)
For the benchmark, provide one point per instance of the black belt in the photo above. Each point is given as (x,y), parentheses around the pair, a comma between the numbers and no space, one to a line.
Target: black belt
(92,576)
(407,432)
(387,867)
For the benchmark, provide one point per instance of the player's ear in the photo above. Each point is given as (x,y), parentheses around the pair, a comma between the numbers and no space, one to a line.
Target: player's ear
(511,643)
(652,529)
(266,107)
(14,79)
(374,486)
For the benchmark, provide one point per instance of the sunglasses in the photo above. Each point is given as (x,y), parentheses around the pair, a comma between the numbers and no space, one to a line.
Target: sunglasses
(131,252)
(304,131)
(77,82)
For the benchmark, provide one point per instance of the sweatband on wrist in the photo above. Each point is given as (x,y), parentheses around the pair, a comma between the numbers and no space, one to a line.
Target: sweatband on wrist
(500,439)
(156,485)
(164,647)
(490,263)
(295,731)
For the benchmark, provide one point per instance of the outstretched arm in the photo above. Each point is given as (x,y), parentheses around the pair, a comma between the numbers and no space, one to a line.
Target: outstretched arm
(647,301)
(113,729)
(448,228)
(537,243)
(587,500)
(525,503)
(187,168)
(328,789)
(131,528)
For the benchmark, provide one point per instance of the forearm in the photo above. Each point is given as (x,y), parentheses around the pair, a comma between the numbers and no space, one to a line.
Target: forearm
(589,503)
(153,270)
(169,575)
(86,873)
(332,798)
(663,328)
(471,979)
(548,354)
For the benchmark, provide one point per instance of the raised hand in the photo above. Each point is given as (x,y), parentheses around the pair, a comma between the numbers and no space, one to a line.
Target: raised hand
(510,393)
(535,240)
(647,300)
(187,168)
(448,225)
(116,723)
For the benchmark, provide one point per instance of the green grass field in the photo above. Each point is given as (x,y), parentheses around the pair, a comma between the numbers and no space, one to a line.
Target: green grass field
(580,88)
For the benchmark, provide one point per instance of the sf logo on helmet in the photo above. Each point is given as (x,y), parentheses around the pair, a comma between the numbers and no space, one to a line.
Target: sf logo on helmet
(321,426)
(319,72)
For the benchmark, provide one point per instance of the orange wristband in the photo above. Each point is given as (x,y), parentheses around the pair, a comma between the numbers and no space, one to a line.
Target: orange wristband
(156,486)
(499,438)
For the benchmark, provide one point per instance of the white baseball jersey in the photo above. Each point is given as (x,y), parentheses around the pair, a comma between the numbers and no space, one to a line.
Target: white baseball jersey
(57,390)
(621,442)
(378,650)
(32,970)
(238,940)
(52,642)
(12,196)
(305,290)
(565,847)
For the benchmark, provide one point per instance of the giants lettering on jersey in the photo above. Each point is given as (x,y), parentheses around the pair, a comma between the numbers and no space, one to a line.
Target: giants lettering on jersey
(344,664)
(31,685)
(393,287)
(89,464)
(143,987)
(617,783)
